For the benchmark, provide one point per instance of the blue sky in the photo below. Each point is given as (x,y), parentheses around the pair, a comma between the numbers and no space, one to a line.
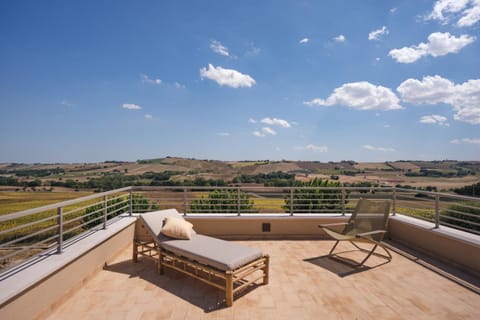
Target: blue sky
(87,81)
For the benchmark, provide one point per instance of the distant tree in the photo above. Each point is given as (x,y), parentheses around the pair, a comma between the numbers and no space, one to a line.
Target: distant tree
(9,181)
(313,199)
(35,183)
(272,179)
(363,184)
(142,204)
(223,201)
(465,215)
(471,190)
(94,214)
(116,207)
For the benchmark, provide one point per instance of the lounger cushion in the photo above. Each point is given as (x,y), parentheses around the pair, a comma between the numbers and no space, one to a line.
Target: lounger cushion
(177,228)
(217,253)
(154,221)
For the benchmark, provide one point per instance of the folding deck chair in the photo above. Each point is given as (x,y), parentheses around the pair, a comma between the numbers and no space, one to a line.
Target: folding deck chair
(368,224)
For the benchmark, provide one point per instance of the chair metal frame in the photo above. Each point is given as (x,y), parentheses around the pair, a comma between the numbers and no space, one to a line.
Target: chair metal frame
(354,232)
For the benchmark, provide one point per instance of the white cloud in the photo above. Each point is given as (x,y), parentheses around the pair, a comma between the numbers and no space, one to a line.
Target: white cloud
(252,50)
(304,40)
(179,85)
(258,134)
(439,44)
(386,126)
(434,119)
(361,96)
(429,90)
(67,103)
(393,10)
(146,79)
(339,38)
(377,34)
(131,106)
(148,116)
(471,16)
(464,98)
(219,48)
(251,120)
(467,12)
(446,6)
(313,148)
(466,140)
(268,130)
(227,77)
(264,132)
(223,134)
(276,122)
(406,55)
(382,149)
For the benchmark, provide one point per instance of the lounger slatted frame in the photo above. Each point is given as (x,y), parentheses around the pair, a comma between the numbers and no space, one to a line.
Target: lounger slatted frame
(229,281)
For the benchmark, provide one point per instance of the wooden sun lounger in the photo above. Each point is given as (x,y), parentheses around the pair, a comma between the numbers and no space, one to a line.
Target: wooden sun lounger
(225,265)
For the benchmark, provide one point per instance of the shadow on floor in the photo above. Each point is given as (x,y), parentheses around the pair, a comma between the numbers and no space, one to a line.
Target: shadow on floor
(341,264)
(452,273)
(342,267)
(187,288)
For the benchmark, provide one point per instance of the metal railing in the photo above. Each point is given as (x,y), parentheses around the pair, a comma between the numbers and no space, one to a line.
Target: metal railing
(258,200)
(31,232)
(455,211)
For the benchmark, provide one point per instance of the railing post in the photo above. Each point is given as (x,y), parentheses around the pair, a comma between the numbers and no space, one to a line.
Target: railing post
(238,200)
(105,211)
(394,201)
(343,201)
(437,211)
(60,230)
(185,201)
(131,201)
(291,200)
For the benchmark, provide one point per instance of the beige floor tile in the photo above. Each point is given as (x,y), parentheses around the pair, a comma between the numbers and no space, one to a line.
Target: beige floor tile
(304,284)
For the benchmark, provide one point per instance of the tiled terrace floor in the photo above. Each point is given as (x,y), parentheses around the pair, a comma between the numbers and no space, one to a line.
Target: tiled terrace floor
(304,284)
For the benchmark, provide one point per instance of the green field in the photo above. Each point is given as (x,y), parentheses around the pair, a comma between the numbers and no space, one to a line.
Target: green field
(18,201)
(269,205)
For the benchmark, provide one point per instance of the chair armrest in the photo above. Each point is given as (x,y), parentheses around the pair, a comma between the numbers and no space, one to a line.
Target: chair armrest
(370,233)
(328,225)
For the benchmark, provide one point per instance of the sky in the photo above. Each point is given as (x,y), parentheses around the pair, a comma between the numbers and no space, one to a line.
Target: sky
(91,81)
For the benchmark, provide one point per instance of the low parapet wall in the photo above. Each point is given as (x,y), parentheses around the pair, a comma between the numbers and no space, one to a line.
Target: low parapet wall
(454,247)
(32,293)
(264,226)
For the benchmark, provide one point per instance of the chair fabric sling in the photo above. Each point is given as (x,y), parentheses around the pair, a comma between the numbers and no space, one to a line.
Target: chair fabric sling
(368,224)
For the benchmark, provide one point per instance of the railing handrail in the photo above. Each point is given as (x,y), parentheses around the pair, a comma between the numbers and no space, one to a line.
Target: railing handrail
(235,187)
(440,194)
(57,205)
(28,212)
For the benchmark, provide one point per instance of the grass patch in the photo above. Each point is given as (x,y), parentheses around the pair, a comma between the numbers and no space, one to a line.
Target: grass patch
(14,202)
(424,214)
(18,201)
(268,205)
(247,164)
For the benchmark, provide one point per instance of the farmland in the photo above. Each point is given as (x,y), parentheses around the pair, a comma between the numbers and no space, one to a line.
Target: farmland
(19,201)
(24,186)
